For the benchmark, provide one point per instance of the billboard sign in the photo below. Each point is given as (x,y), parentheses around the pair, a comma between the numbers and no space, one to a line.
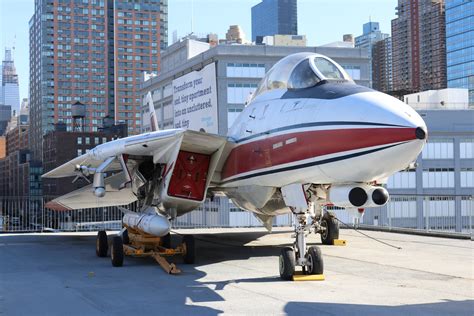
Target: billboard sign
(195,100)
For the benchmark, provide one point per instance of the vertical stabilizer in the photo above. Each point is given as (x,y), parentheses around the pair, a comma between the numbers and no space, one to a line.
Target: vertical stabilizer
(153,119)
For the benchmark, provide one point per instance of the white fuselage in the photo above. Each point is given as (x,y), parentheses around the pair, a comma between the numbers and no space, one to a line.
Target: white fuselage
(362,137)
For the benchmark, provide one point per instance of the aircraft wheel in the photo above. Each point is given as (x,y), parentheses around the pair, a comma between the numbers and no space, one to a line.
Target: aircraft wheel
(125,238)
(189,256)
(116,253)
(332,229)
(315,260)
(101,244)
(287,262)
(166,241)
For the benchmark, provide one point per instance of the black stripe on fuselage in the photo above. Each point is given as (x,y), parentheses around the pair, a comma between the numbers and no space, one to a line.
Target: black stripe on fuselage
(313,124)
(310,164)
(326,91)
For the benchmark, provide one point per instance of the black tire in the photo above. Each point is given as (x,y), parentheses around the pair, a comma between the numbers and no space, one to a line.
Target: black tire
(166,241)
(101,244)
(189,256)
(116,253)
(315,260)
(332,229)
(287,262)
(125,238)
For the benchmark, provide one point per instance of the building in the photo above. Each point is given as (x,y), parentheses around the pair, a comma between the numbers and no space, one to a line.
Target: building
(460,45)
(19,175)
(382,74)
(419,46)
(450,98)
(233,73)
(61,146)
(285,40)
(5,117)
(3,147)
(371,35)
(235,34)
(271,17)
(10,94)
(94,52)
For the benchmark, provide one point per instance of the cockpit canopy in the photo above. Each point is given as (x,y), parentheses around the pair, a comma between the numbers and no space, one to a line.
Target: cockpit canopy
(301,70)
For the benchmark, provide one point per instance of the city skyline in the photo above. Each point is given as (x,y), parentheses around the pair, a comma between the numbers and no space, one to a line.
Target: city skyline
(15,14)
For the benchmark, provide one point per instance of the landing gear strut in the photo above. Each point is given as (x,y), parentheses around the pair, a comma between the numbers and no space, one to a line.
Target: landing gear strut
(310,259)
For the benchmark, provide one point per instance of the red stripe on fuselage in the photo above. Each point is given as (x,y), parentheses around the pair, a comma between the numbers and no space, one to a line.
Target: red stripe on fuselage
(274,151)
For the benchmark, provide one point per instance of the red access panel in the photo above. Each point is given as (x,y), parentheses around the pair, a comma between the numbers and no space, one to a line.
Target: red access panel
(189,176)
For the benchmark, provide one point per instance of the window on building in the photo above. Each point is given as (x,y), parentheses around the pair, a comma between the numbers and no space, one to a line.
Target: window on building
(352,71)
(239,93)
(79,152)
(104,140)
(438,149)
(467,205)
(467,177)
(232,115)
(402,207)
(438,178)
(244,70)
(466,148)
(96,141)
(402,180)
(88,140)
(438,207)
(79,140)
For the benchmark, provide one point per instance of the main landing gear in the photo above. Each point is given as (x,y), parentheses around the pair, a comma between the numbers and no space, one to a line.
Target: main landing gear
(309,258)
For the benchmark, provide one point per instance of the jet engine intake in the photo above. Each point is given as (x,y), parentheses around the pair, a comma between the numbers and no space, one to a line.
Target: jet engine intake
(357,196)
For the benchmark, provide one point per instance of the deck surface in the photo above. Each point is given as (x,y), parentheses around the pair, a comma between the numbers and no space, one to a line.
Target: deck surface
(237,273)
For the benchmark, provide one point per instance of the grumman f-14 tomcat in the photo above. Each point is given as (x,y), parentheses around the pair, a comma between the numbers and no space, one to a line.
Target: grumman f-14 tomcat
(309,137)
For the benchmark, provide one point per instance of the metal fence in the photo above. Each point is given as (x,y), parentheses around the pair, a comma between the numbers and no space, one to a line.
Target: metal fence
(415,212)
(30,215)
(428,213)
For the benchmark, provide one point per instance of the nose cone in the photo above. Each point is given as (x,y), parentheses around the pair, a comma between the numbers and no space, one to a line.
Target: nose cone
(397,138)
(420,133)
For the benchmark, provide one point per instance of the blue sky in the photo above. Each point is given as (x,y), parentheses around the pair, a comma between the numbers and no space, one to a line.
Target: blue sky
(322,21)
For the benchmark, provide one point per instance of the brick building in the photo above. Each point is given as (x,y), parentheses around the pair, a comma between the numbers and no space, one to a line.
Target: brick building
(60,146)
(94,52)
(419,46)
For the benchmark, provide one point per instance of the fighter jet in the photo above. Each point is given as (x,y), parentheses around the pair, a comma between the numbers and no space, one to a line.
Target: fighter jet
(309,138)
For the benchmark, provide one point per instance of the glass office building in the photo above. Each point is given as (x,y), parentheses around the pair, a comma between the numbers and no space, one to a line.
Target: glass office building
(271,17)
(460,45)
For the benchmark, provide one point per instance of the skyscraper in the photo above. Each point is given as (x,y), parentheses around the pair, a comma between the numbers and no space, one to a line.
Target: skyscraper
(419,46)
(371,35)
(460,45)
(271,17)
(382,77)
(10,94)
(93,52)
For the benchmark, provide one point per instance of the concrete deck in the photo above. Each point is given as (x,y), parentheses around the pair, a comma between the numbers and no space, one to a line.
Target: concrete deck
(237,273)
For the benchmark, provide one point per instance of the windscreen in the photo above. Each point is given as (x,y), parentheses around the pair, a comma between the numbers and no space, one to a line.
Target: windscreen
(327,68)
(303,76)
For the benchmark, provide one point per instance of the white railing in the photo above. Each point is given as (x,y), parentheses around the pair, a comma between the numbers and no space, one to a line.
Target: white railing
(411,212)
(29,215)
(428,213)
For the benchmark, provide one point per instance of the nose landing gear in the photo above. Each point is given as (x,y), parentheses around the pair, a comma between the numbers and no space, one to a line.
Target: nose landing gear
(308,258)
